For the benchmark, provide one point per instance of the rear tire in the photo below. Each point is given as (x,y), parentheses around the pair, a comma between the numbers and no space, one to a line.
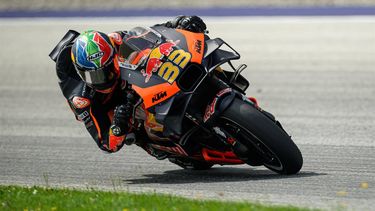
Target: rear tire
(260,134)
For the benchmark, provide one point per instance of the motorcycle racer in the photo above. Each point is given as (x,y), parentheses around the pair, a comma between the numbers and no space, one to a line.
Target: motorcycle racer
(89,77)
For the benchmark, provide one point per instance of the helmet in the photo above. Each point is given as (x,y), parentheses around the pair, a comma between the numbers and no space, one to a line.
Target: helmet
(92,55)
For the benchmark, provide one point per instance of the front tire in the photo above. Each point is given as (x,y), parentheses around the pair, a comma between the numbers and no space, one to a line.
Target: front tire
(272,145)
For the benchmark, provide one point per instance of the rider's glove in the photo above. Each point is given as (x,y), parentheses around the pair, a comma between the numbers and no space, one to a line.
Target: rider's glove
(190,23)
(121,119)
(122,115)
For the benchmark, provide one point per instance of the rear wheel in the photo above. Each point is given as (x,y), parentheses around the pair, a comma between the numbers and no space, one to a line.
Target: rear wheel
(266,141)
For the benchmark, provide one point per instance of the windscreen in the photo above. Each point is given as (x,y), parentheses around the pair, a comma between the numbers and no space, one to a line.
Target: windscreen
(136,48)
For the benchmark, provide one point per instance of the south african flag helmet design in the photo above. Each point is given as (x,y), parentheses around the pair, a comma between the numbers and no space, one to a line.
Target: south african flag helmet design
(92,50)
(92,56)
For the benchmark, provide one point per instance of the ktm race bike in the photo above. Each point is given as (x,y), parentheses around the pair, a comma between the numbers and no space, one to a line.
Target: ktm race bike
(194,112)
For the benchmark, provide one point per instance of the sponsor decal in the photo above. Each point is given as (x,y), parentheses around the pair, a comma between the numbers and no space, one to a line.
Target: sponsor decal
(177,58)
(82,115)
(154,60)
(210,110)
(224,91)
(159,96)
(95,56)
(80,102)
(127,65)
(198,46)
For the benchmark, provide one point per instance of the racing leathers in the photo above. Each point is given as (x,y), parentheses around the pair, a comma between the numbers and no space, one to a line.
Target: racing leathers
(94,108)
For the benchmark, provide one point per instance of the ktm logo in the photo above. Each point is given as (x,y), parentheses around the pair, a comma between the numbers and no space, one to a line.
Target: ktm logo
(198,46)
(159,96)
(95,56)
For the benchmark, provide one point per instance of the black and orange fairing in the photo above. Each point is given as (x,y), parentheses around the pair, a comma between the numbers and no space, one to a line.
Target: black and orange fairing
(195,44)
(155,59)
(157,93)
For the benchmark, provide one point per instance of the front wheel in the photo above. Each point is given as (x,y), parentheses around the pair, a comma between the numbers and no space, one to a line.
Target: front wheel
(265,140)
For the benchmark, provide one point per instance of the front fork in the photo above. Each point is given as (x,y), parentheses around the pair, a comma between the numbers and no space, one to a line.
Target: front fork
(222,100)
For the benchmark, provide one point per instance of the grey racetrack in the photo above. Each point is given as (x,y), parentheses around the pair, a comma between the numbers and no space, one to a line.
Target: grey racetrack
(317,75)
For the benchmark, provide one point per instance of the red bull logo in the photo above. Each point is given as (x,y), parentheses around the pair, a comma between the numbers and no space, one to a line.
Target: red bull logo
(154,61)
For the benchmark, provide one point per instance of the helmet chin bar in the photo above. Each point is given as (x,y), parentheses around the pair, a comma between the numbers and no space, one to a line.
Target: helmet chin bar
(105,88)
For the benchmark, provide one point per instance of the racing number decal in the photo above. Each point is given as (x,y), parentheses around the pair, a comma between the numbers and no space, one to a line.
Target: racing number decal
(170,70)
(180,57)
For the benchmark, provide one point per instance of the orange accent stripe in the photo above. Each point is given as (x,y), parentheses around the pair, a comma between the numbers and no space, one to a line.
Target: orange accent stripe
(96,125)
(148,93)
(195,43)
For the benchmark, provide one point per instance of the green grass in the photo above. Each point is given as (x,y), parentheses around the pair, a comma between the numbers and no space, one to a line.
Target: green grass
(37,198)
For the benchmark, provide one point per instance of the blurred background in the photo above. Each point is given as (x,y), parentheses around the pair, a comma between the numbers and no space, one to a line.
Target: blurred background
(310,62)
(128,4)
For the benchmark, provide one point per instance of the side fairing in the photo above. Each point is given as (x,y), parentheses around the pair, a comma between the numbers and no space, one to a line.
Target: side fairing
(153,61)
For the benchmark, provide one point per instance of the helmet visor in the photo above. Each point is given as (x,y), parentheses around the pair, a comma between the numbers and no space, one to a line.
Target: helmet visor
(97,77)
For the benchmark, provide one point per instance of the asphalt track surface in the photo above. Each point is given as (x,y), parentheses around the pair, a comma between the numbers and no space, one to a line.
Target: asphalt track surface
(317,75)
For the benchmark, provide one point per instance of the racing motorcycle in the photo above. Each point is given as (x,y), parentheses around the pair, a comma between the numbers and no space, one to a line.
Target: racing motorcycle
(195,113)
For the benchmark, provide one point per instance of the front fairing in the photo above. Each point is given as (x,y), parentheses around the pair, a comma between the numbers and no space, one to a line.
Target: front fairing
(152,62)
(142,59)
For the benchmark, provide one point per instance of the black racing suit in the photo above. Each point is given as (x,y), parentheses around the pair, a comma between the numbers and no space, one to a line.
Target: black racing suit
(93,108)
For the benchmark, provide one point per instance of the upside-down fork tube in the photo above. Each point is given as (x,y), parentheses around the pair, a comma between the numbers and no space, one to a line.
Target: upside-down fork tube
(217,157)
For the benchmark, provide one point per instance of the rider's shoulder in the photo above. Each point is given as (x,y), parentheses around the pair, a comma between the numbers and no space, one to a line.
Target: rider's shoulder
(64,65)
